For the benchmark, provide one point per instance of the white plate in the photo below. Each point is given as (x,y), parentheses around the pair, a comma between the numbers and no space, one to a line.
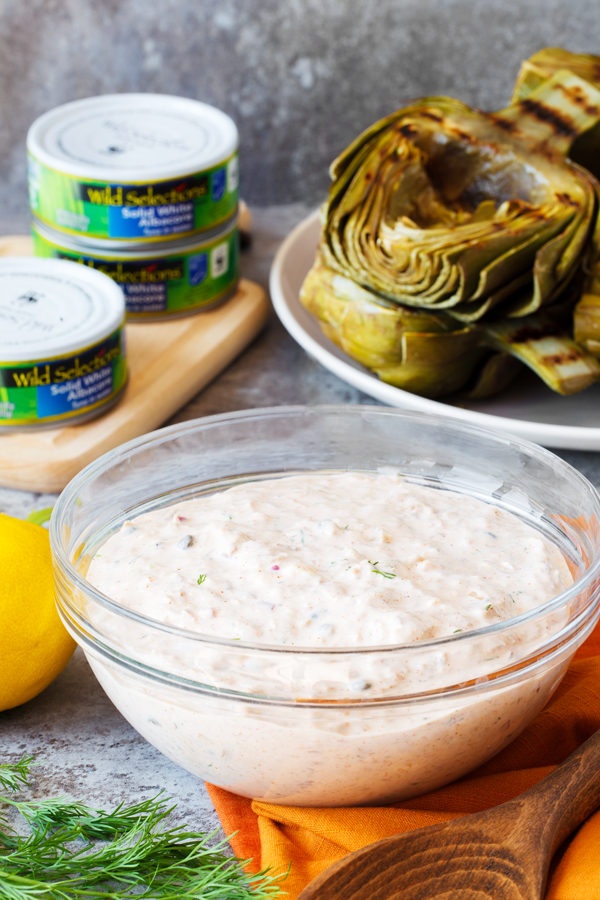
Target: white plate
(527,409)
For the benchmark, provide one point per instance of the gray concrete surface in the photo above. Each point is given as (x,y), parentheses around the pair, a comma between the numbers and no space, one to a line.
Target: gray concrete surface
(300,77)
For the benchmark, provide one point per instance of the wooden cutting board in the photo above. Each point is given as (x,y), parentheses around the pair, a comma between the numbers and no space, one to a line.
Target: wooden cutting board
(169,362)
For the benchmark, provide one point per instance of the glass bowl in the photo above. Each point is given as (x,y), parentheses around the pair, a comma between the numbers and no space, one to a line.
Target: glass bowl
(288,724)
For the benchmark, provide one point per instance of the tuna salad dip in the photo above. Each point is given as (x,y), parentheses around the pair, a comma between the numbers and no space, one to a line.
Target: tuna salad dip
(343,560)
(330,561)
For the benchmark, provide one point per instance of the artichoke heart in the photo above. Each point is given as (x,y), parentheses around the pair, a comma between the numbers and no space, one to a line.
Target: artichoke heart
(444,225)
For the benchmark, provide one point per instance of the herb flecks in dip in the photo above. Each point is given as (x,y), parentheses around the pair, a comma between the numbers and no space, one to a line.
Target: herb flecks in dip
(343,560)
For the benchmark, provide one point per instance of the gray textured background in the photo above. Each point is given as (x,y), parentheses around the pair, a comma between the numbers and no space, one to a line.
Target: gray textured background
(300,77)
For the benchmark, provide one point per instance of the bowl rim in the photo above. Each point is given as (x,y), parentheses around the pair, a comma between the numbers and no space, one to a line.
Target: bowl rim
(161,435)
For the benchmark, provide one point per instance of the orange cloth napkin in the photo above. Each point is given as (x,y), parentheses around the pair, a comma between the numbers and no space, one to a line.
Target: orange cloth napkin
(312,839)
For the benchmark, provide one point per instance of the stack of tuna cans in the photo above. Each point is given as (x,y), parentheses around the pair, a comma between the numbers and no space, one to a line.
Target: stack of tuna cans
(144,188)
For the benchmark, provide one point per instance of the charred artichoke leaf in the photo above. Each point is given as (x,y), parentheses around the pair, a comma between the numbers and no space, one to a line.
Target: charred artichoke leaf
(541,344)
(443,207)
(547,62)
(585,149)
(586,315)
(586,322)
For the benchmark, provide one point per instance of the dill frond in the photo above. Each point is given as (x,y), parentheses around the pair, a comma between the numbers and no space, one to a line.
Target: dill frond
(75,852)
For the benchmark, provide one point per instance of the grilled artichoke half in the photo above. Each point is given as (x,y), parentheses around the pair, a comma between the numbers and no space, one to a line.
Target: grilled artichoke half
(443,223)
(585,150)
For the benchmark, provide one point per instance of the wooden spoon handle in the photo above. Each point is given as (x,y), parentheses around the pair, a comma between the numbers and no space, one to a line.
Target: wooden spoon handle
(570,794)
(499,853)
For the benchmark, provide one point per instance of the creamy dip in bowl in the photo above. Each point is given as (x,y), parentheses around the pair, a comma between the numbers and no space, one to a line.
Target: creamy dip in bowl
(328,606)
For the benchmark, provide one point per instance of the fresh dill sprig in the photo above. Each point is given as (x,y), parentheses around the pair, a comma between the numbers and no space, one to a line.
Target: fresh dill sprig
(95,825)
(78,853)
(201,579)
(14,776)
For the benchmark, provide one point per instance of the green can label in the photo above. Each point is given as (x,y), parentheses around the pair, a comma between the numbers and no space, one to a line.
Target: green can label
(164,286)
(134,212)
(62,388)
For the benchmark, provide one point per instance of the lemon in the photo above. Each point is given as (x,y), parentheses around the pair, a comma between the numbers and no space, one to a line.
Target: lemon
(34,644)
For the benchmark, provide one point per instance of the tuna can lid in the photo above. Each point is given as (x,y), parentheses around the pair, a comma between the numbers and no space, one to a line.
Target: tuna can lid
(132,138)
(53,307)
